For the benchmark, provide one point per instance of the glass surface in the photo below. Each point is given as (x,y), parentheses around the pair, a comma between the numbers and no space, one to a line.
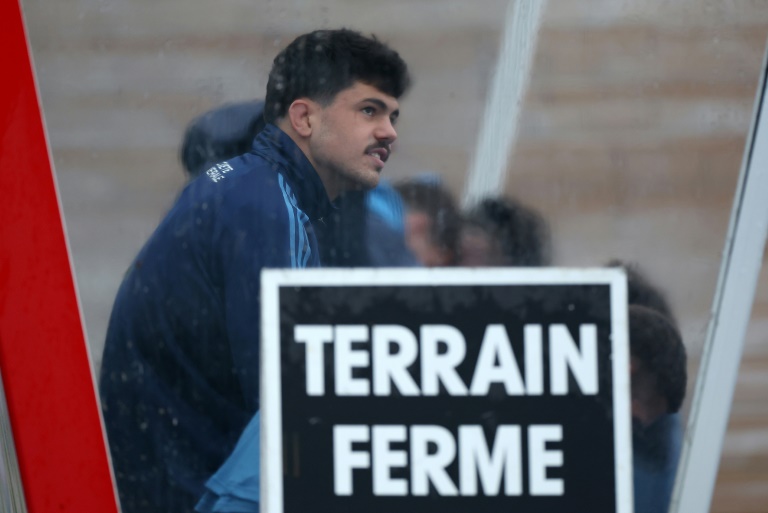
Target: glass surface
(629,141)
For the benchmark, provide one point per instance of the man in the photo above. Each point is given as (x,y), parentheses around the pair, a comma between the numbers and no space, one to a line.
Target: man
(502,231)
(658,371)
(432,220)
(659,378)
(179,378)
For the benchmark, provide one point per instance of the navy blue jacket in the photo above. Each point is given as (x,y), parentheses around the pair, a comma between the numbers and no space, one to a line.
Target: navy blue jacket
(179,379)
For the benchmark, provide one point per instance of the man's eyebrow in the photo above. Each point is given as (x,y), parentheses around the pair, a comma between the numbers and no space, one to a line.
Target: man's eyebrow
(379,103)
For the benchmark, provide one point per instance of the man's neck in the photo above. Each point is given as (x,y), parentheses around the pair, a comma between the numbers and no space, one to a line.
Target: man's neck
(328,181)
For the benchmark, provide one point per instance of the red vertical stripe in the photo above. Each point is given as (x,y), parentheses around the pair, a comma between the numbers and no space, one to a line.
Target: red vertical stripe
(45,368)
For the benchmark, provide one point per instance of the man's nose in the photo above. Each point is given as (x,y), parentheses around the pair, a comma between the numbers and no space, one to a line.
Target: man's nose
(386,132)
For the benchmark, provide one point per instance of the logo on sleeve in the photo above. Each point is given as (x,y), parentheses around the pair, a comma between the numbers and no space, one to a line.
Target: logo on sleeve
(218,171)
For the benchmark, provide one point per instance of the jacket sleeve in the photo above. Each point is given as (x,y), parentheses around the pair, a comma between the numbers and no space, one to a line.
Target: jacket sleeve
(235,487)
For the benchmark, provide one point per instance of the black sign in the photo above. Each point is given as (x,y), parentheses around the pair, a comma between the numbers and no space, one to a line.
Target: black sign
(450,390)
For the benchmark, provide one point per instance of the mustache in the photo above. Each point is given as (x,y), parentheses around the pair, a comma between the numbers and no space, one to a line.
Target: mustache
(384,146)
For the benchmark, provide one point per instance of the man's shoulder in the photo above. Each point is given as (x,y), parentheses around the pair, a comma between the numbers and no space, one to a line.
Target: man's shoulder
(237,172)
(245,189)
(248,179)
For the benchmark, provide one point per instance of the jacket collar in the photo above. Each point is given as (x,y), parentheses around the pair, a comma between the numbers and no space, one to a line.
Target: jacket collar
(278,148)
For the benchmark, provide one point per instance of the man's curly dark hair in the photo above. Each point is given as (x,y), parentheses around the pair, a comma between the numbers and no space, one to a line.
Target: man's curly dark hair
(656,343)
(320,64)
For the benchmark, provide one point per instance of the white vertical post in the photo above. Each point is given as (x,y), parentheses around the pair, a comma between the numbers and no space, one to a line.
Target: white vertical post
(731,310)
(498,132)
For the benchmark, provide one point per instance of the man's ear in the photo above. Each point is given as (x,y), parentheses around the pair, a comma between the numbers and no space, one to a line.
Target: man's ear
(300,116)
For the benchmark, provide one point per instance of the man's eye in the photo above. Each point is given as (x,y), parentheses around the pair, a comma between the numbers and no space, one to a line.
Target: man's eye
(369,111)
(393,120)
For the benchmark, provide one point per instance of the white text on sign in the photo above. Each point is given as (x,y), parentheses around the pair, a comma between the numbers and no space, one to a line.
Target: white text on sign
(499,468)
(496,361)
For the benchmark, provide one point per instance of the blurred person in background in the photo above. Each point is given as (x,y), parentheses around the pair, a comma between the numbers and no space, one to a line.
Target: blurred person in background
(432,220)
(179,380)
(501,231)
(219,134)
(657,366)
(658,373)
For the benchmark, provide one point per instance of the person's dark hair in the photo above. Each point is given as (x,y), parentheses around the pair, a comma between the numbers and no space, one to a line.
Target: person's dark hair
(436,201)
(220,134)
(522,233)
(320,64)
(656,343)
(640,290)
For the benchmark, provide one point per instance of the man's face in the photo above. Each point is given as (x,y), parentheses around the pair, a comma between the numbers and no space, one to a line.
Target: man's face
(418,238)
(479,249)
(351,138)
(648,401)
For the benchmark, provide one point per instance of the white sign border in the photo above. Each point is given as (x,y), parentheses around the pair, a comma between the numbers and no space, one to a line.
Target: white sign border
(271,396)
